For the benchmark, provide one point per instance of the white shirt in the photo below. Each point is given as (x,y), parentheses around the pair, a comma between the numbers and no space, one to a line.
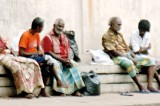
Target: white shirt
(137,42)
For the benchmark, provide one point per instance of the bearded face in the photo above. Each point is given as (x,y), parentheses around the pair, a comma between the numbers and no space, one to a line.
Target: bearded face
(59,29)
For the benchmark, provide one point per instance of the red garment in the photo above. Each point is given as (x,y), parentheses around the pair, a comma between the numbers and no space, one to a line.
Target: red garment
(2,44)
(59,46)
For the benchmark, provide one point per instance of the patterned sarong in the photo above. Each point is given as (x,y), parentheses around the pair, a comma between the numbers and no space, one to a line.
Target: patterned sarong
(131,68)
(26,73)
(69,76)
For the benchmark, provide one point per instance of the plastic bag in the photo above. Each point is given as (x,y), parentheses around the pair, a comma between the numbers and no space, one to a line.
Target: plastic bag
(14,43)
(101,57)
(92,83)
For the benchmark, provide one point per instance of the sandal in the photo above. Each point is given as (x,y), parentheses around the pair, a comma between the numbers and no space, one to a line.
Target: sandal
(29,96)
(126,94)
(144,91)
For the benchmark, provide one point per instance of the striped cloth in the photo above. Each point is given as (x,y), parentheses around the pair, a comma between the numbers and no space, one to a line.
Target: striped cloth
(70,76)
(130,67)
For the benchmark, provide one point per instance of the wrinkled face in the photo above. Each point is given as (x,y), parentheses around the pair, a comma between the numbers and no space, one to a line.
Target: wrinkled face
(58,28)
(116,26)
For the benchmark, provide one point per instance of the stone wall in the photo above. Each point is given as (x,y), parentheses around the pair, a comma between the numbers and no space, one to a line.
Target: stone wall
(89,18)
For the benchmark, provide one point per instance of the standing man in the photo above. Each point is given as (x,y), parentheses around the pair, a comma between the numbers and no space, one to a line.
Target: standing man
(29,46)
(57,45)
(115,45)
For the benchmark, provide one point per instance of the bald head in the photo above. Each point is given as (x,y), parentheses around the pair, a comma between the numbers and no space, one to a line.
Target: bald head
(115,23)
(58,26)
(59,21)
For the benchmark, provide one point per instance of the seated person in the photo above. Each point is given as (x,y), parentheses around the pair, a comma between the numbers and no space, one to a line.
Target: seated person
(26,72)
(57,45)
(29,46)
(140,43)
(115,45)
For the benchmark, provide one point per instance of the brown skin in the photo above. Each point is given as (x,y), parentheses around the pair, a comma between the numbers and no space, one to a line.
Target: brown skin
(22,52)
(116,26)
(152,69)
(65,61)
(40,52)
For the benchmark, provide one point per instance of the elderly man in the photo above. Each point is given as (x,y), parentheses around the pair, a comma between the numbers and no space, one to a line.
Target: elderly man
(140,43)
(115,45)
(29,46)
(57,45)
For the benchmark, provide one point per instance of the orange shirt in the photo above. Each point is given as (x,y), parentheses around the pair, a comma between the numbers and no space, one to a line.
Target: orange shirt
(29,41)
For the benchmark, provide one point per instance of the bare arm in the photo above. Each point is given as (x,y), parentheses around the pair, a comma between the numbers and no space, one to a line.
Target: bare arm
(145,49)
(65,62)
(57,57)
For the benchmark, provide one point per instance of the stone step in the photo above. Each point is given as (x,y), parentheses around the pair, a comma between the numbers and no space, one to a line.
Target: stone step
(2,70)
(104,79)
(5,82)
(120,78)
(114,88)
(107,69)
(11,91)
(105,88)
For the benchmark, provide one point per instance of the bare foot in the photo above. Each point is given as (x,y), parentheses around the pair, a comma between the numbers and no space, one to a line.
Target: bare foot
(44,93)
(77,93)
(143,90)
(151,89)
(62,85)
(29,96)
(63,94)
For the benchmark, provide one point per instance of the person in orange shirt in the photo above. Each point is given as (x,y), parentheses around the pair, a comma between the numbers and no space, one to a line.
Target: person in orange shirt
(29,46)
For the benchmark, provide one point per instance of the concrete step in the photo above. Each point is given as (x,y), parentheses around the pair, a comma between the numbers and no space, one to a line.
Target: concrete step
(104,79)
(11,91)
(107,69)
(114,88)
(105,88)
(120,78)
(2,70)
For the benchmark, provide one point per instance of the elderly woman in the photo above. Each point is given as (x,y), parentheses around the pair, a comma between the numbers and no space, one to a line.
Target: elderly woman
(57,46)
(26,72)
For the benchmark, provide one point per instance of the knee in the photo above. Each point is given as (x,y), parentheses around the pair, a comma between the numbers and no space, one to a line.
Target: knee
(127,63)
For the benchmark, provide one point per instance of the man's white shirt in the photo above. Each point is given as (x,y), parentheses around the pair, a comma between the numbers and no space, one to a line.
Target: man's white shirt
(137,41)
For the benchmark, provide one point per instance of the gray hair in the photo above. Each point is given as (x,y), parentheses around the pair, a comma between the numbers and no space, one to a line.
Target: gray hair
(112,20)
(58,20)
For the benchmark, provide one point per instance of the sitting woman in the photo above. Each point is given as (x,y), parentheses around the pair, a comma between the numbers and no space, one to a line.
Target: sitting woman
(26,72)
(56,45)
